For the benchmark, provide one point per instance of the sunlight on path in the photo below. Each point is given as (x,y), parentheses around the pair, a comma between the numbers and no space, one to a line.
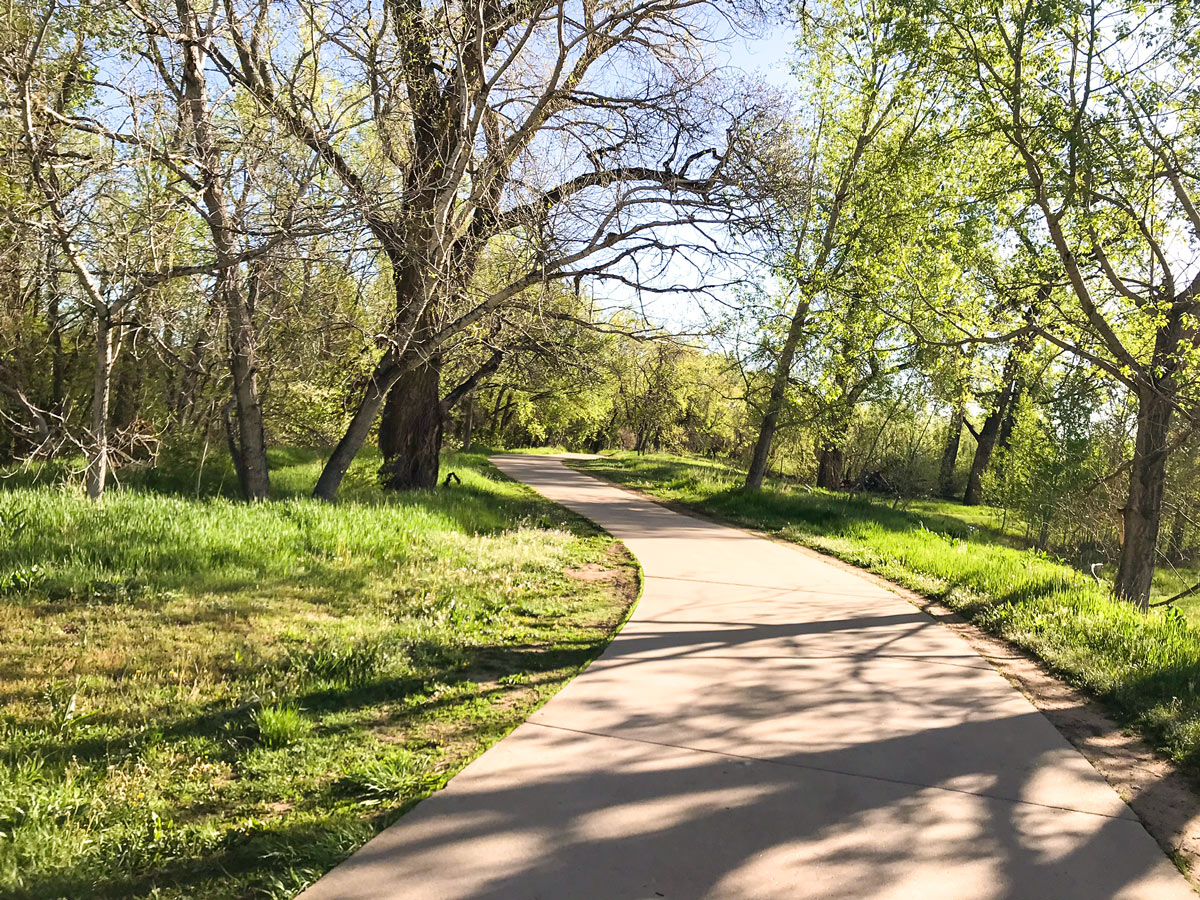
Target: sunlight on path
(766,725)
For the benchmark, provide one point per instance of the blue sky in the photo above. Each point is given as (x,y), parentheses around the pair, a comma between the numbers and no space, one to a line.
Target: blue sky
(766,55)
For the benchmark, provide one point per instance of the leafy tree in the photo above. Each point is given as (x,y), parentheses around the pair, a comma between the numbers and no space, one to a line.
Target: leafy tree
(1096,102)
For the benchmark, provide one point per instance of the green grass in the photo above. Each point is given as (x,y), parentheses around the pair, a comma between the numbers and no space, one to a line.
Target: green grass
(280,726)
(1146,668)
(203,698)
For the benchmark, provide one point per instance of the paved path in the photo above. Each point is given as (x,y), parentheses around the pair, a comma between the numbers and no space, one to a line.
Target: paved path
(766,725)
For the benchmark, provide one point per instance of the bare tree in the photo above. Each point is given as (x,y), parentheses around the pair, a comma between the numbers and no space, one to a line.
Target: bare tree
(136,117)
(87,200)
(590,137)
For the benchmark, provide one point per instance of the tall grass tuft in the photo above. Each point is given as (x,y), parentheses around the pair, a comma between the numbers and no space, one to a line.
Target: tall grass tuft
(280,726)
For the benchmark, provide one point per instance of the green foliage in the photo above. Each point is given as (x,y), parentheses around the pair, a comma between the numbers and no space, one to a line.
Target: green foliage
(280,726)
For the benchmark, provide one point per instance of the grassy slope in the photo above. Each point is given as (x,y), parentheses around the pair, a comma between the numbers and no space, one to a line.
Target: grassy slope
(207,699)
(1146,668)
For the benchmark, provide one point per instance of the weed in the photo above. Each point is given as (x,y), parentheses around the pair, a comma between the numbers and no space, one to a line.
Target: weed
(348,663)
(280,726)
(62,698)
(396,774)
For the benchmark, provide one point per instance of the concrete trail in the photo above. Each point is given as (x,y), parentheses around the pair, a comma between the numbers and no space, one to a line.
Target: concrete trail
(766,725)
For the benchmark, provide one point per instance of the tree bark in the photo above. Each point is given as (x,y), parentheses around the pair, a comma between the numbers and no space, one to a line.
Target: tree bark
(229,292)
(989,434)
(950,453)
(779,384)
(252,443)
(468,425)
(1142,514)
(97,470)
(410,432)
(831,467)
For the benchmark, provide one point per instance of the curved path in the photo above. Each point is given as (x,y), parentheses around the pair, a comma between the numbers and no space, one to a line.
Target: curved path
(766,725)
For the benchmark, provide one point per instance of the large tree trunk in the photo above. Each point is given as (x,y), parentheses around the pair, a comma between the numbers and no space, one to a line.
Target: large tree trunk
(985,446)
(252,443)
(1142,514)
(410,432)
(950,453)
(97,470)
(779,384)
(831,467)
(392,366)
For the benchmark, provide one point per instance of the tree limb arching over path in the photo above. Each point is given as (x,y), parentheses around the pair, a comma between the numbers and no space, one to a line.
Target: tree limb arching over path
(766,725)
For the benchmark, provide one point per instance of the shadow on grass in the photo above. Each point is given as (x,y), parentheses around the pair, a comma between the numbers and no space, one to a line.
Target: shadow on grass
(441,666)
(332,821)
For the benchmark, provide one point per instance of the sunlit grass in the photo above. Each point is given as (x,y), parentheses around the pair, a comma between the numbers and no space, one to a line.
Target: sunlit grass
(203,698)
(1145,667)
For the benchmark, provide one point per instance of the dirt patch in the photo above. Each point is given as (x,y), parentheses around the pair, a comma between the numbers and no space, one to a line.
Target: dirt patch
(591,572)
(620,570)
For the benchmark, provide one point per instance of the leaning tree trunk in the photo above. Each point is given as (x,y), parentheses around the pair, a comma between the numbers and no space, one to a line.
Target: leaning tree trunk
(1142,514)
(779,384)
(950,454)
(410,431)
(409,283)
(989,435)
(831,467)
(355,435)
(97,470)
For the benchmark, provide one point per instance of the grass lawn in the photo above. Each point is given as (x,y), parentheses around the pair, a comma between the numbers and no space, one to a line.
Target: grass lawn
(202,698)
(1146,668)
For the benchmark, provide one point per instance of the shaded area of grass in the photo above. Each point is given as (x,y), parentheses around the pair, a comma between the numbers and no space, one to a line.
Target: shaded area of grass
(202,698)
(1146,668)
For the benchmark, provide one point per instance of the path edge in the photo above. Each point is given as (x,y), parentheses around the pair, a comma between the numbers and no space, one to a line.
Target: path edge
(1165,800)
